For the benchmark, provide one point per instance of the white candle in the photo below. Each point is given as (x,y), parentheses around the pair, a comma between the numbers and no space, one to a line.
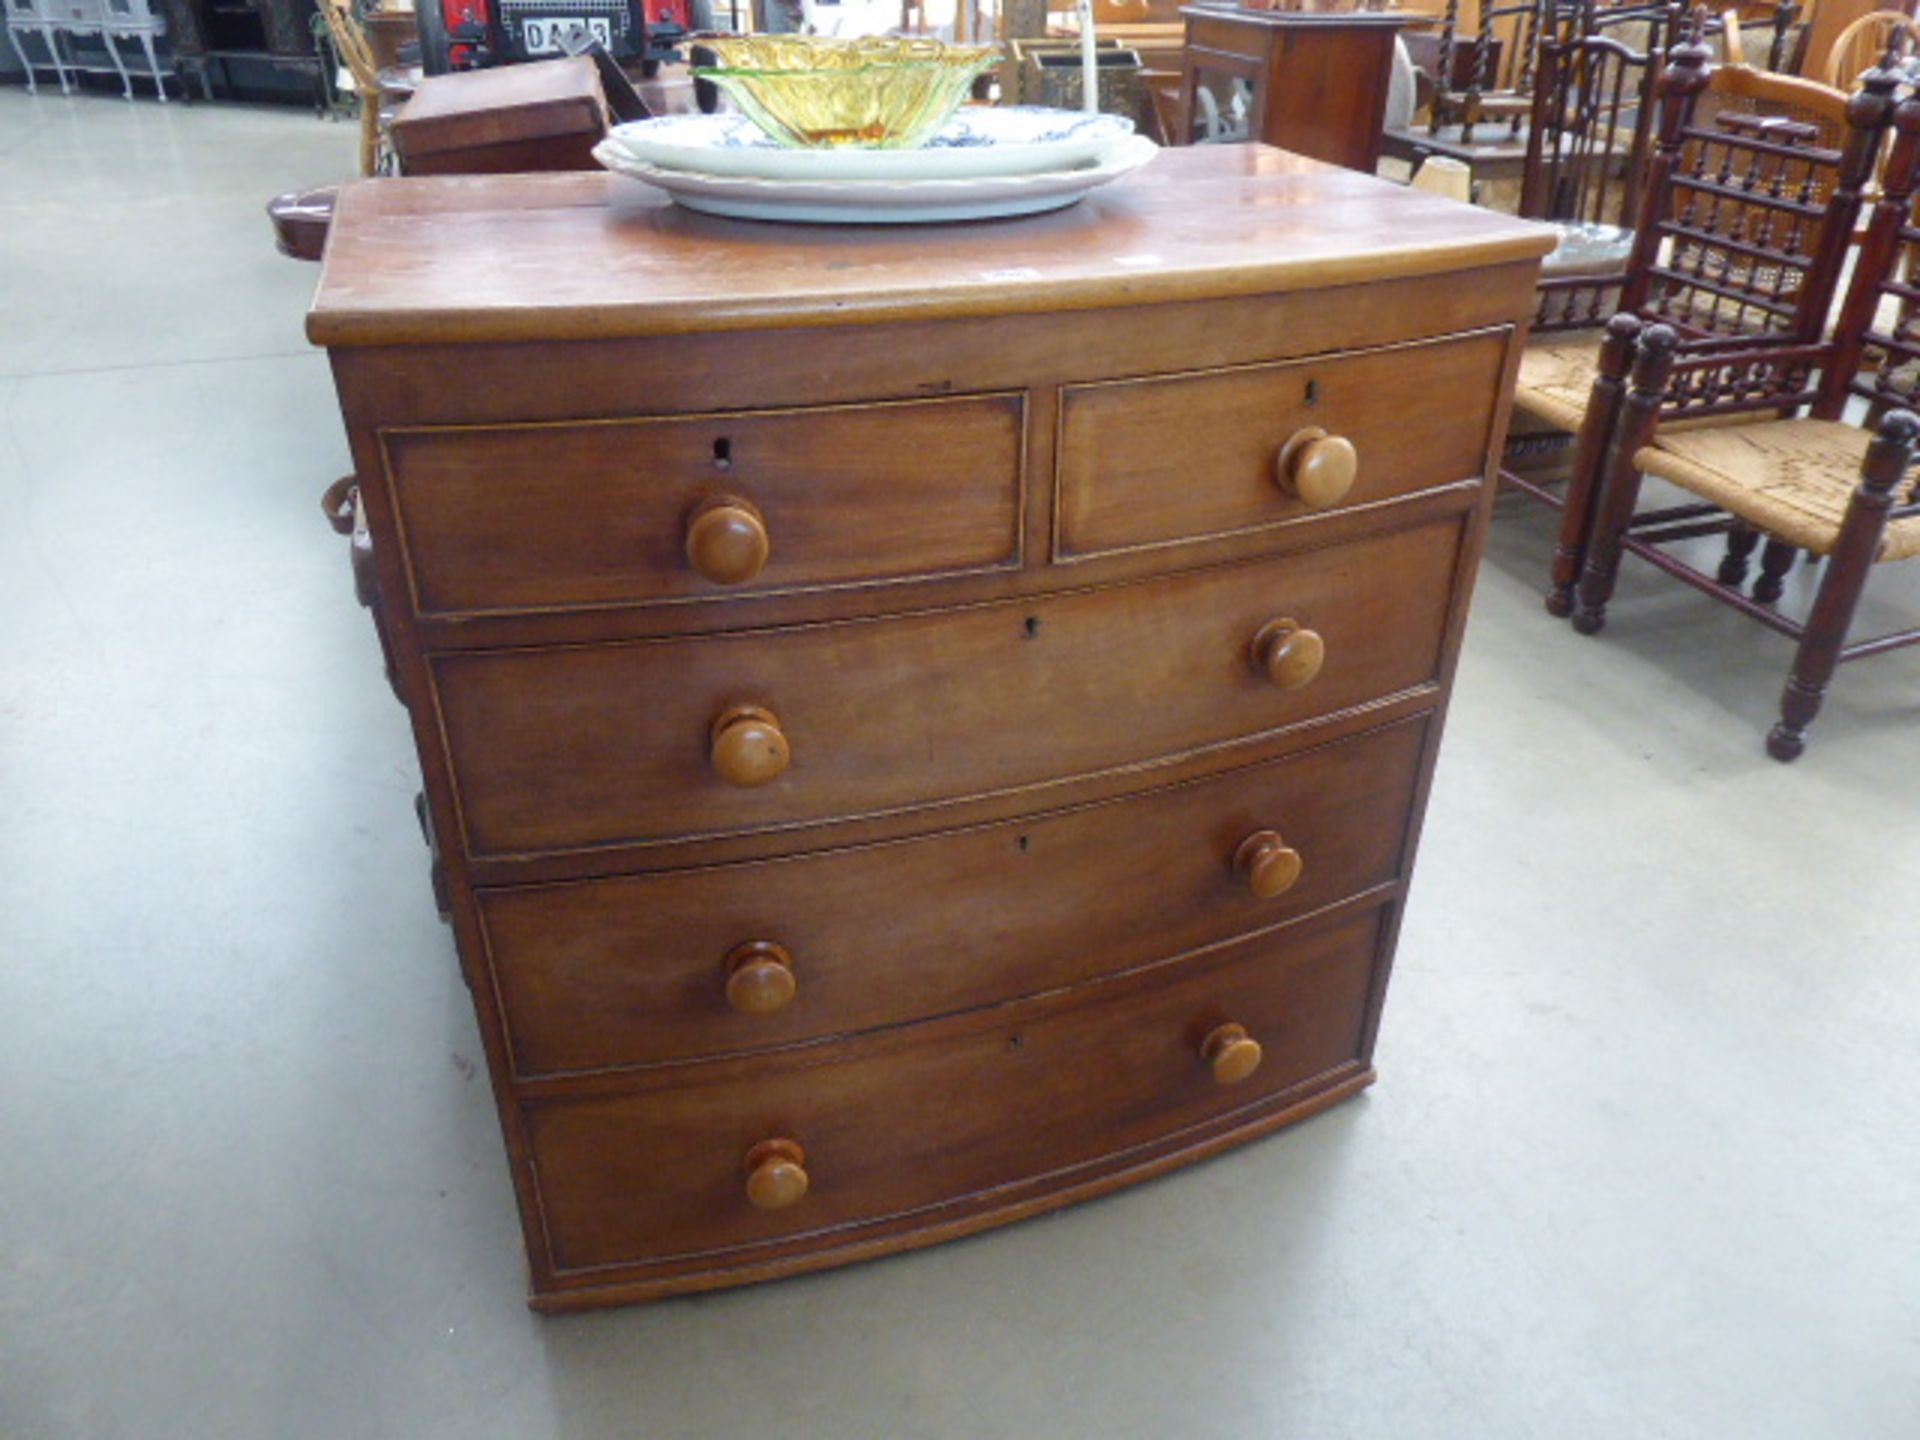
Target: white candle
(1089,69)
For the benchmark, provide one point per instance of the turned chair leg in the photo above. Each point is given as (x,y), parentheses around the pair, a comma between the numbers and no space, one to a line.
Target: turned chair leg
(1620,480)
(1775,561)
(1742,541)
(1589,460)
(1852,560)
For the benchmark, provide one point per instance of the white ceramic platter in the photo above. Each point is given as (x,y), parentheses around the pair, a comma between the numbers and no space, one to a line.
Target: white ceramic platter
(882,202)
(979,140)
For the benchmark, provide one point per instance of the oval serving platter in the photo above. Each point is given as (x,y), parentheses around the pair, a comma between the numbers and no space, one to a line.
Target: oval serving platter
(978,141)
(917,201)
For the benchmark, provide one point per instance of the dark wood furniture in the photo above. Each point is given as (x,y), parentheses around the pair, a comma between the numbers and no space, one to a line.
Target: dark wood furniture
(1484,86)
(300,219)
(1314,83)
(209,34)
(544,115)
(1480,86)
(921,726)
(1588,137)
(1807,482)
(1742,238)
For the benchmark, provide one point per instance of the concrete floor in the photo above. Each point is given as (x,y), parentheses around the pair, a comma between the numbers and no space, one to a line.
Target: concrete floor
(1644,1160)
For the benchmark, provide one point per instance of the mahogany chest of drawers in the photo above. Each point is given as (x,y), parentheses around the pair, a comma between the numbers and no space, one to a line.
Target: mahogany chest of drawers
(919,726)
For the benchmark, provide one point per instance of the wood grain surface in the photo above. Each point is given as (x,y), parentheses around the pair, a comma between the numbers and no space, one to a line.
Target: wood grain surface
(632,970)
(590,257)
(934,1113)
(567,515)
(1188,457)
(919,727)
(600,745)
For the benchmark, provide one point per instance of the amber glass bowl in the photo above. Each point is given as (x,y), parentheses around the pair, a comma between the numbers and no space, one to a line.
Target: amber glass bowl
(878,93)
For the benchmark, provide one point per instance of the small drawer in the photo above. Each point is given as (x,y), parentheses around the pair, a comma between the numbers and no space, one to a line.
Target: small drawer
(658,741)
(1189,457)
(696,507)
(777,1148)
(663,967)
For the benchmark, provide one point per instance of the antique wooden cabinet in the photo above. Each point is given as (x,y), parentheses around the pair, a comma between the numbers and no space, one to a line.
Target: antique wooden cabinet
(921,726)
(1315,82)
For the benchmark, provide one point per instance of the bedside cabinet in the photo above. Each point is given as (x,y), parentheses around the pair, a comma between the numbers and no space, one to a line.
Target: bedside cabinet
(920,725)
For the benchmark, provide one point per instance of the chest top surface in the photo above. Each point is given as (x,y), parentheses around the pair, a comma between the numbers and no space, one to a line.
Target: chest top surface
(595,256)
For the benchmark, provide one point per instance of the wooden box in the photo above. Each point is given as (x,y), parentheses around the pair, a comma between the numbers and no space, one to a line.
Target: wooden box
(547,115)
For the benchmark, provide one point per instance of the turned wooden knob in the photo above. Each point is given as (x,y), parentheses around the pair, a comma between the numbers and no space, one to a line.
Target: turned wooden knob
(727,540)
(1317,467)
(760,977)
(748,746)
(1289,653)
(1233,1054)
(1267,863)
(777,1175)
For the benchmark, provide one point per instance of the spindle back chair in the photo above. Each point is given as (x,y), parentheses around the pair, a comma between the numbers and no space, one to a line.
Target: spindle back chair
(1587,142)
(1865,41)
(350,41)
(1741,238)
(1801,477)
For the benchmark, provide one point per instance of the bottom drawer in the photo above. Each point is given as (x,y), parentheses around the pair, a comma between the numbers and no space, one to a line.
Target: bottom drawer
(937,1114)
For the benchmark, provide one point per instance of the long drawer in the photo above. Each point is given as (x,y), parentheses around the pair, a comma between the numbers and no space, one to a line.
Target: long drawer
(644,742)
(1180,457)
(669,966)
(938,1113)
(616,512)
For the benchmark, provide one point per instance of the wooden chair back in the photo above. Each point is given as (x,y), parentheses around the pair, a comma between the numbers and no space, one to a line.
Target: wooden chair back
(1742,90)
(1739,26)
(1496,59)
(1748,212)
(355,53)
(1587,133)
(1587,145)
(1877,337)
(1861,45)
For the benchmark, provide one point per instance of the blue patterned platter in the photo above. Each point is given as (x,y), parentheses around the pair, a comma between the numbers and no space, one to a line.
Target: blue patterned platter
(978,142)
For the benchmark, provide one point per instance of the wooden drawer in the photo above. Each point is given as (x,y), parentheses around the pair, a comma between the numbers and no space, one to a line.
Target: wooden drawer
(936,1114)
(528,516)
(596,745)
(1182,457)
(634,970)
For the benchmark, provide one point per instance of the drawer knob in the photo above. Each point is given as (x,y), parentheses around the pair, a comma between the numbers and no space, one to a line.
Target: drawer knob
(727,540)
(1317,467)
(1268,864)
(1289,653)
(749,748)
(760,977)
(776,1174)
(1233,1054)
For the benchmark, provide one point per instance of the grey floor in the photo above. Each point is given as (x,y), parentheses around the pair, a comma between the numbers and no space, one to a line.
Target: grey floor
(1644,1160)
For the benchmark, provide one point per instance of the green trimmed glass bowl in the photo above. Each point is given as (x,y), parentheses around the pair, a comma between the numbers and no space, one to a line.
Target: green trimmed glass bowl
(875,93)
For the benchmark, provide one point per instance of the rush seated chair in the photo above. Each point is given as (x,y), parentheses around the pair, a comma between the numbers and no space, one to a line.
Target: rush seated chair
(1809,481)
(1745,223)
